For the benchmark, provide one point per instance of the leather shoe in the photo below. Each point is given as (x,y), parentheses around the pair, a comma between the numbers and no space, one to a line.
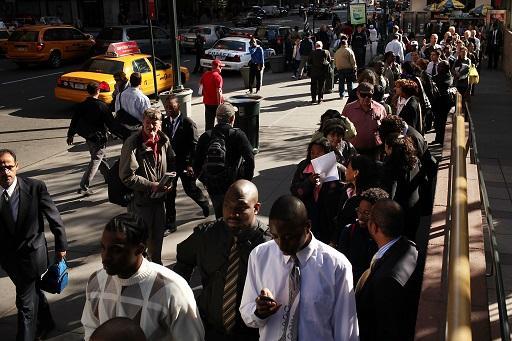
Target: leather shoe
(170,228)
(44,329)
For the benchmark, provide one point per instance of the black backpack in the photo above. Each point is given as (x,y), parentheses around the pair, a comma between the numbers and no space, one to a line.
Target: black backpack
(305,47)
(219,171)
(118,193)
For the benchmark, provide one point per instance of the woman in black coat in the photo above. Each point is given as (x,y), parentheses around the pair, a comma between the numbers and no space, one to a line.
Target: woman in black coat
(410,110)
(402,178)
(443,80)
(320,199)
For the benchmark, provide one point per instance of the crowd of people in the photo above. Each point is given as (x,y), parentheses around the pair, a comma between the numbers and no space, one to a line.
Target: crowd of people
(338,259)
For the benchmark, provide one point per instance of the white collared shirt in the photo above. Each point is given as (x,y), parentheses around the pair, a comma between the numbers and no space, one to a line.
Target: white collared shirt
(14,197)
(397,48)
(327,308)
(133,101)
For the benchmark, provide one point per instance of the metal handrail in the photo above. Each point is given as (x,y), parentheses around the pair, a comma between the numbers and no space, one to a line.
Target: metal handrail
(458,313)
(496,263)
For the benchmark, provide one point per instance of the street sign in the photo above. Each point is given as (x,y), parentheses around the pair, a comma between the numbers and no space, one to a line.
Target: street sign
(122,49)
(358,14)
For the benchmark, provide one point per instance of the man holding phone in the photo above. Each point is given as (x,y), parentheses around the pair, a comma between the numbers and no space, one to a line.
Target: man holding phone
(297,285)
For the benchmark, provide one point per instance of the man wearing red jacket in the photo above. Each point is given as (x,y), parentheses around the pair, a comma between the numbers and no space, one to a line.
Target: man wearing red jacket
(212,92)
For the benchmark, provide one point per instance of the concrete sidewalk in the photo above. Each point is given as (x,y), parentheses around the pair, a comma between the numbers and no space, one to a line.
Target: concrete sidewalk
(491,110)
(286,123)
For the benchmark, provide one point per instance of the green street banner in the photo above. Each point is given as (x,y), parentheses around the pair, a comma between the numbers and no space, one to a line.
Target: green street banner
(358,14)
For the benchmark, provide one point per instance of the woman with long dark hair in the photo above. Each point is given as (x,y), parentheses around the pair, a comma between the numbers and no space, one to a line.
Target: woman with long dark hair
(401,179)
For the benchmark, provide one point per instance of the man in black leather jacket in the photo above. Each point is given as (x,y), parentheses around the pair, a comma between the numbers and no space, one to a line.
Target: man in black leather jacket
(212,248)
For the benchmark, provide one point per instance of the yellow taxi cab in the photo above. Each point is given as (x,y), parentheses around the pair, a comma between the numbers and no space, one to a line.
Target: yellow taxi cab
(123,56)
(50,44)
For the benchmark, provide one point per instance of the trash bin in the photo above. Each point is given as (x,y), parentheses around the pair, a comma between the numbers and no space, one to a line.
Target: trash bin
(248,117)
(277,64)
(244,71)
(184,99)
(329,81)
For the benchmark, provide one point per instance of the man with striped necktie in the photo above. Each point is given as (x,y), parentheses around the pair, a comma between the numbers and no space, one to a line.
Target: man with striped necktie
(220,250)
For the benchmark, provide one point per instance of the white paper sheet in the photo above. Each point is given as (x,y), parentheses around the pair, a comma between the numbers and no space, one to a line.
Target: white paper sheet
(325,166)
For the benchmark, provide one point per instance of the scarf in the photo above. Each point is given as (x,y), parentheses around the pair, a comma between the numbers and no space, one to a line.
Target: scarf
(151,143)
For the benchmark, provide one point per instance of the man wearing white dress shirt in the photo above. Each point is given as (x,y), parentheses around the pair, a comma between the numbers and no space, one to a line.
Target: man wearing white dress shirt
(396,47)
(132,100)
(298,288)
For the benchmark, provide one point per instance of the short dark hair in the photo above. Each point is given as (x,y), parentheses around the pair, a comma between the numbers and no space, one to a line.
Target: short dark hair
(391,124)
(334,126)
(8,151)
(288,208)
(92,88)
(368,172)
(131,225)
(135,79)
(121,76)
(322,142)
(388,215)
(374,194)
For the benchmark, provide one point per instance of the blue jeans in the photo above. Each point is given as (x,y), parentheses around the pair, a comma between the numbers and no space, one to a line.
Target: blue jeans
(345,75)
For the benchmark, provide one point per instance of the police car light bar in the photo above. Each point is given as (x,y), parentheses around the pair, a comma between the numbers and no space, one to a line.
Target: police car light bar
(122,49)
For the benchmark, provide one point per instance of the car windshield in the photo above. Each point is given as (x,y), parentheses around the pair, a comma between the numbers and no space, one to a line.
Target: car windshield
(111,33)
(230,45)
(24,36)
(202,30)
(102,66)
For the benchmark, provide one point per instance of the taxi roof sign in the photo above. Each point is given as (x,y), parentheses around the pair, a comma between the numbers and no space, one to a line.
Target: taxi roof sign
(122,49)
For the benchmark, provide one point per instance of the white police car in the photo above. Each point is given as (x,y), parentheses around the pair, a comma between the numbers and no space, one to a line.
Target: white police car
(233,51)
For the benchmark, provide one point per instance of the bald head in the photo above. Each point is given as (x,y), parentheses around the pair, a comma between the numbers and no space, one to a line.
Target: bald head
(289,224)
(240,205)
(118,329)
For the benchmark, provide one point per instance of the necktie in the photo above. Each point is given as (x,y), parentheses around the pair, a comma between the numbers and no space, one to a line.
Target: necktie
(365,275)
(434,70)
(230,286)
(291,318)
(6,210)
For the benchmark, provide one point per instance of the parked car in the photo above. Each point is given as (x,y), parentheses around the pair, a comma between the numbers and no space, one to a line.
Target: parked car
(233,51)
(258,10)
(50,21)
(48,44)
(4,36)
(271,11)
(283,12)
(211,33)
(138,33)
(246,20)
(272,36)
(244,32)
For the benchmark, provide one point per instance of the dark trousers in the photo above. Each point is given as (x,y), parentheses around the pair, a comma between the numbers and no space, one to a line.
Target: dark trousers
(442,109)
(98,155)
(254,72)
(345,76)
(190,188)
(360,54)
(493,57)
(154,219)
(198,66)
(317,87)
(33,308)
(217,202)
(209,116)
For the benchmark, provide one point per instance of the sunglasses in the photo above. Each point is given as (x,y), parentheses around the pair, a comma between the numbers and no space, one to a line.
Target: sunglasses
(366,95)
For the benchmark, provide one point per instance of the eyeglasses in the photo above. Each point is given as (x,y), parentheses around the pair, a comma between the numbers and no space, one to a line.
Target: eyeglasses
(362,213)
(366,95)
(8,168)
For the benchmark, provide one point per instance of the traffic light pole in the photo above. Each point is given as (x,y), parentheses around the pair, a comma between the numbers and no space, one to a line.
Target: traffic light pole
(150,24)
(175,52)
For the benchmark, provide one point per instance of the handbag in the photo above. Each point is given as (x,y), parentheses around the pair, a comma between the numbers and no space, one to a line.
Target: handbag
(474,78)
(56,278)
(118,193)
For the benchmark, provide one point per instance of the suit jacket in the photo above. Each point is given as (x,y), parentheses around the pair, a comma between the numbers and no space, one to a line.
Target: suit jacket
(490,41)
(23,251)
(319,60)
(387,303)
(184,141)
(411,113)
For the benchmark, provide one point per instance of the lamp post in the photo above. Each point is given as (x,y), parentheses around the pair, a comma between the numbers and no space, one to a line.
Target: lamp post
(183,95)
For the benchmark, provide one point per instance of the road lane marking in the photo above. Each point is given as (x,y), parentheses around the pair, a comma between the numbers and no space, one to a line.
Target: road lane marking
(29,78)
(186,60)
(34,98)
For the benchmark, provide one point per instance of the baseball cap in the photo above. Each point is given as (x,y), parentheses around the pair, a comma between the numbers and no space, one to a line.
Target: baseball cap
(216,63)
(226,109)
(365,88)
(371,26)
(414,42)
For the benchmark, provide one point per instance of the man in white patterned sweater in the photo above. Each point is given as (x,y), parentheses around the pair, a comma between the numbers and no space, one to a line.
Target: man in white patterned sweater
(156,298)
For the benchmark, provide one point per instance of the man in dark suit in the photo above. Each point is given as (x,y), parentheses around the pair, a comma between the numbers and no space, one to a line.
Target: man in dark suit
(23,253)
(494,43)
(319,60)
(182,132)
(387,293)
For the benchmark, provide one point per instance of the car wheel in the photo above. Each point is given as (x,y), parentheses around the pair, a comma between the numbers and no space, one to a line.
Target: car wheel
(55,60)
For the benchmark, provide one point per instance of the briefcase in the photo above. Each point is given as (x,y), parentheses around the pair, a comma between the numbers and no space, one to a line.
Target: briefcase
(56,278)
